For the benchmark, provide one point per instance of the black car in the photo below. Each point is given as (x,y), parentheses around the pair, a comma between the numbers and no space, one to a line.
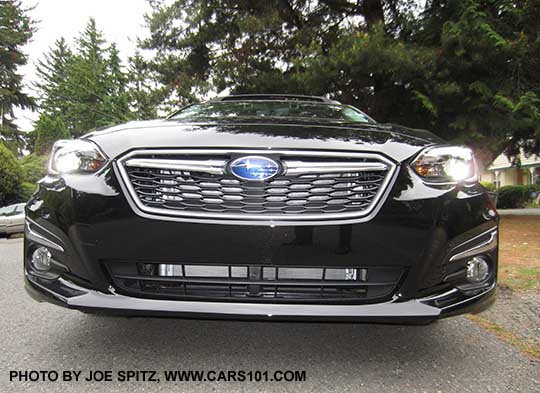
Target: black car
(263,207)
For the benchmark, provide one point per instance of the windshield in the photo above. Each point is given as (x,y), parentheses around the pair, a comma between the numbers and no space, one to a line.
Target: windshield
(272,109)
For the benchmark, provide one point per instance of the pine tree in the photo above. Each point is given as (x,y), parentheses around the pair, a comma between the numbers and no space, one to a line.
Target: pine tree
(466,69)
(143,94)
(88,83)
(53,72)
(253,46)
(485,86)
(116,101)
(16,29)
(86,88)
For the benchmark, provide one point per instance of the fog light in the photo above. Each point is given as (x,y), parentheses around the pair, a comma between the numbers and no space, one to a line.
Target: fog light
(477,270)
(41,259)
(148,268)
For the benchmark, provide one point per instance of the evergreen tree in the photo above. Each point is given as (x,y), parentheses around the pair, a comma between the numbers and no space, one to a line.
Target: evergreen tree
(144,96)
(485,86)
(16,29)
(89,84)
(466,69)
(54,72)
(253,46)
(116,100)
(48,130)
(85,88)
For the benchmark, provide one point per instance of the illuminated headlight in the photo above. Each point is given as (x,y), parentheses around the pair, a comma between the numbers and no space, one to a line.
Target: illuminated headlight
(446,164)
(76,156)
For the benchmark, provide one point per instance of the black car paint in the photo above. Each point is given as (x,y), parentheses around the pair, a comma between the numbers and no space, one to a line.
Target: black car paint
(396,142)
(418,227)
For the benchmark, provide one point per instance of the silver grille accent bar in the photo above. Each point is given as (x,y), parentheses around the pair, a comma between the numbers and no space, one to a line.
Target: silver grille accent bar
(301,167)
(216,167)
(209,166)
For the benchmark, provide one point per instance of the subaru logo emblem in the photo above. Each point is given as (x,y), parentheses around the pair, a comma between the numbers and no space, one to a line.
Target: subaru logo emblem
(254,168)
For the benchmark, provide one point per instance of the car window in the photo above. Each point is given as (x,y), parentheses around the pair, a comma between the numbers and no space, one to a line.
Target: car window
(272,109)
(10,210)
(15,209)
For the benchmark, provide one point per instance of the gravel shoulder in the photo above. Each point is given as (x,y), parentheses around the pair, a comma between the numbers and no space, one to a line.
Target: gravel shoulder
(517,313)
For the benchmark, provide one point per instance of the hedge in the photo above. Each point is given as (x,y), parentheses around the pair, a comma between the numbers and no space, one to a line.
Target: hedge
(489,186)
(10,176)
(511,197)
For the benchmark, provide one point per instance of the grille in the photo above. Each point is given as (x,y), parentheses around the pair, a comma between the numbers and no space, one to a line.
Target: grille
(308,187)
(255,283)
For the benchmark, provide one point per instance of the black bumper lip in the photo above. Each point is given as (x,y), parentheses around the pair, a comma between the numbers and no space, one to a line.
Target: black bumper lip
(67,294)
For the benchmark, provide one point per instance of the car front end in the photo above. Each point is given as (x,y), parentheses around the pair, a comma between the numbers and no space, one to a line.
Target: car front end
(263,218)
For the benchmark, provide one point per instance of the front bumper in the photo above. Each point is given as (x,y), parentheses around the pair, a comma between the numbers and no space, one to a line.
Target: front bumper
(430,233)
(70,295)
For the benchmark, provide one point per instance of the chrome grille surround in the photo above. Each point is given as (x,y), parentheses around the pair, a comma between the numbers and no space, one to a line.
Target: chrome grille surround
(314,187)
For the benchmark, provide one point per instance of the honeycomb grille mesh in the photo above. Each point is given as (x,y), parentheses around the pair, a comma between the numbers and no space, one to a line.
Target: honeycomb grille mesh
(305,193)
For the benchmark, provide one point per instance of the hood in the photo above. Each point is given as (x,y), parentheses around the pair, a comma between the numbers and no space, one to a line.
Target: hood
(397,142)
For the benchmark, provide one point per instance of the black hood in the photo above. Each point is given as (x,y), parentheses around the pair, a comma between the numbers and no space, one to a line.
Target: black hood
(397,142)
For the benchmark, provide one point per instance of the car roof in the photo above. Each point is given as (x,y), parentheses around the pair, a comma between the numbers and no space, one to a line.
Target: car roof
(275,97)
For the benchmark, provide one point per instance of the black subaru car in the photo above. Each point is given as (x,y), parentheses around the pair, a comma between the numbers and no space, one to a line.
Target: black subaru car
(263,207)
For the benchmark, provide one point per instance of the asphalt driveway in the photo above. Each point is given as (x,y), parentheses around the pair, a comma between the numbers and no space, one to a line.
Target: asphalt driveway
(452,355)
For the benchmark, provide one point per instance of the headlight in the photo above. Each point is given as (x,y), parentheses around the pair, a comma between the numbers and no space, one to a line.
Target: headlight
(76,156)
(446,164)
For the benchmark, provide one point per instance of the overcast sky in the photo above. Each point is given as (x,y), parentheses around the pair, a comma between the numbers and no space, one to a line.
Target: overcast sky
(120,20)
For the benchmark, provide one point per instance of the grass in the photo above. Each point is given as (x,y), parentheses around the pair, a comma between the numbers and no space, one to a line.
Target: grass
(529,349)
(519,253)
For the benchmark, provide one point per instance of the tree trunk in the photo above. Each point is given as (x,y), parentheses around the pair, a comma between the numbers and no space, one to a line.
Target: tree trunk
(373,12)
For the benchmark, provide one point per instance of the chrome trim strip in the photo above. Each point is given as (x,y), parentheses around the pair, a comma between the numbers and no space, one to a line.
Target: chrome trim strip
(49,291)
(300,167)
(215,167)
(256,219)
(495,228)
(411,308)
(95,299)
(38,238)
(439,296)
(487,290)
(486,246)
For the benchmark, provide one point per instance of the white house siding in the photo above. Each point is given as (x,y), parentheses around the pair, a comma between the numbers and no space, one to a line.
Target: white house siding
(502,170)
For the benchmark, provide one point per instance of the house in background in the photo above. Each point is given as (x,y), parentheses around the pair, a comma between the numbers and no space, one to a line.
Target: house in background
(501,172)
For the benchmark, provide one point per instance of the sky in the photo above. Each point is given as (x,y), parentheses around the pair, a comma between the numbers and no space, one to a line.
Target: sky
(121,21)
